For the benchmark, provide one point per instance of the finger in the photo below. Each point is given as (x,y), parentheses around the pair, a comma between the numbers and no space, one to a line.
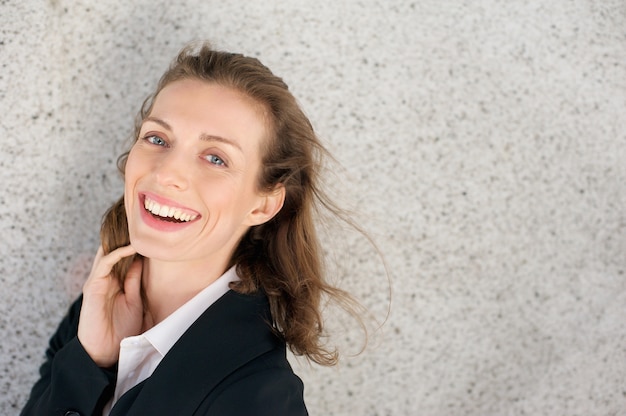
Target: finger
(103,264)
(97,258)
(132,282)
(116,255)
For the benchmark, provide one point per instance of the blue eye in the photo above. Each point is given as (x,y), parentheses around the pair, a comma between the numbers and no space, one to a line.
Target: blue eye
(155,140)
(216,160)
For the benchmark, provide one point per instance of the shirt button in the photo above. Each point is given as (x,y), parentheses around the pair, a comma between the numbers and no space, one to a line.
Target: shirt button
(72,413)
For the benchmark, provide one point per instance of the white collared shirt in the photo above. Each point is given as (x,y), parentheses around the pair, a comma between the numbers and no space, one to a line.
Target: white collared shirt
(141,354)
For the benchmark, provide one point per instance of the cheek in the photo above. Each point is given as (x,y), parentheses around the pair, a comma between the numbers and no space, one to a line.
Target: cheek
(233,200)
(133,167)
(130,176)
(130,161)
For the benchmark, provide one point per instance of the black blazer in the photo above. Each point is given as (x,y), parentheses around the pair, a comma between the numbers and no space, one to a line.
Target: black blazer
(229,362)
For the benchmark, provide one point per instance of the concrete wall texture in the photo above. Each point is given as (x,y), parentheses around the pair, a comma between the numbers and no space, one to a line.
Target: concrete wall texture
(483,146)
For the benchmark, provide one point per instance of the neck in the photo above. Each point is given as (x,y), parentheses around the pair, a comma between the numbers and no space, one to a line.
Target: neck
(169,285)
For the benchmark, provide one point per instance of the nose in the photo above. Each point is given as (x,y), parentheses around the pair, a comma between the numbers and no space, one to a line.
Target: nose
(173,171)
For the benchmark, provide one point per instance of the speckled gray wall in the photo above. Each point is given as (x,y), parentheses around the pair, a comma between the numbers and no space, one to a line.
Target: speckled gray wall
(482,143)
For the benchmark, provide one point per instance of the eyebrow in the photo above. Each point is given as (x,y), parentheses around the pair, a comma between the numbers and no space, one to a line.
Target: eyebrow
(204,137)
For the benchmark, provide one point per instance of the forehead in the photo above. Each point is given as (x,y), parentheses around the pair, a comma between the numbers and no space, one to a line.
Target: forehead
(190,88)
(192,103)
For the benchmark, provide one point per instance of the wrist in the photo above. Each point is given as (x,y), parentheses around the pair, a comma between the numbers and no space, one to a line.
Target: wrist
(101,359)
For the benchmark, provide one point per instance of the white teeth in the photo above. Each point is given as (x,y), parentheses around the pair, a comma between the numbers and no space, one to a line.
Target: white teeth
(167,212)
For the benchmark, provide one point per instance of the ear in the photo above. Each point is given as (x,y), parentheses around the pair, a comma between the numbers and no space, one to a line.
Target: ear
(270,204)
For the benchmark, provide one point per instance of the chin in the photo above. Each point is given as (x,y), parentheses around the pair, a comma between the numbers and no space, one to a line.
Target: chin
(153,250)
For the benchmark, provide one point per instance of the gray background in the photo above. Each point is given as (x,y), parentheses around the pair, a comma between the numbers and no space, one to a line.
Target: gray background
(480,143)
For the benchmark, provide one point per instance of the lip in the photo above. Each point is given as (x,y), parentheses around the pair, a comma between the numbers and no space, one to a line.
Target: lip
(153,222)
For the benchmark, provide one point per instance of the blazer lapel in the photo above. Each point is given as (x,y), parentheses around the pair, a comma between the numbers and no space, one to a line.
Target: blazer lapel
(233,331)
(126,400)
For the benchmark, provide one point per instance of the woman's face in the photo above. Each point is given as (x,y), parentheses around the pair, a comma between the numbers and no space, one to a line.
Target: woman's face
(190,180)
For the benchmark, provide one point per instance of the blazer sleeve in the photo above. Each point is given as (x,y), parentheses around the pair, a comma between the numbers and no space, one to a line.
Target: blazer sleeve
(70,381)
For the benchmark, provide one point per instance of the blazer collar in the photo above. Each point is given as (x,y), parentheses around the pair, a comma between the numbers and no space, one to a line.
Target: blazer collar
(231,332)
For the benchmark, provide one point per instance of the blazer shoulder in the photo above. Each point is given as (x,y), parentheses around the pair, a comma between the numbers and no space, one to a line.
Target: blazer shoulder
(265,386)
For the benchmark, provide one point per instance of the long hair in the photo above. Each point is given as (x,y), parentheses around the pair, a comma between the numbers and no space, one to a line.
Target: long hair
(282,257)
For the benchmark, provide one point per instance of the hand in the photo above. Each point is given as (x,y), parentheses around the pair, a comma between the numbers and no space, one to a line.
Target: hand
(108,313)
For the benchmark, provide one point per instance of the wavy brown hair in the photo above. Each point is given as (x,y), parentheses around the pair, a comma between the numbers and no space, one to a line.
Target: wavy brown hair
(282,257)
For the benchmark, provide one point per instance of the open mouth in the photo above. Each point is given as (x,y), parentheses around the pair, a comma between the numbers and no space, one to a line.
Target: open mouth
(167,213)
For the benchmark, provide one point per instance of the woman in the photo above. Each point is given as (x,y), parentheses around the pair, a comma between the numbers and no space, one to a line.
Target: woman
(209,264)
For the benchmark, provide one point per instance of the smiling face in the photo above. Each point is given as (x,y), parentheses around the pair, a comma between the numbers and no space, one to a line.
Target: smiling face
(191,177)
